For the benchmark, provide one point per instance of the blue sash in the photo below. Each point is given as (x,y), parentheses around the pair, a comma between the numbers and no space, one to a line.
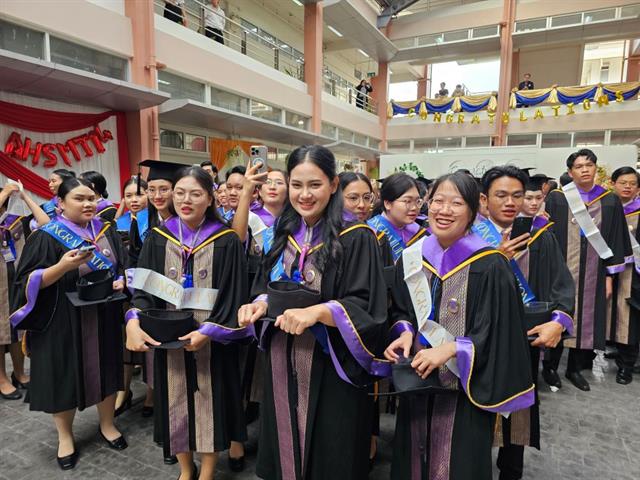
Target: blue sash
(72,240)
(228,215)
(278,273)
(381,224)
(487,231)
(50,207)
(123,223)
(142,219)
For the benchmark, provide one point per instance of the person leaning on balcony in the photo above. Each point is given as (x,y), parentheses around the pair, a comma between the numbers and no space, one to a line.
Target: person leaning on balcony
(214,21)
(443,92)
(173,10)
(526,84)
(363,90)
(458,92)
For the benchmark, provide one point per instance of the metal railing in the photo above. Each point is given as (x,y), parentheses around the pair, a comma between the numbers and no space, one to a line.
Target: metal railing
(239,38)
(350,95)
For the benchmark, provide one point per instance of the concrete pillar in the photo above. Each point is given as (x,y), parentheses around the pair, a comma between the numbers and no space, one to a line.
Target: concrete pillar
(142,126)
(506,68)
(313,61)
(380,84)
(633,69)
(424,83)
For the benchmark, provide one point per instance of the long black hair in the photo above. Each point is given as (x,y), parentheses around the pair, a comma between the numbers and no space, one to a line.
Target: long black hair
(98,180)
(201,176)
(72,182)
(290,220)
(134,181)
(347,178)
(393,187)
(63,173)
(468,188)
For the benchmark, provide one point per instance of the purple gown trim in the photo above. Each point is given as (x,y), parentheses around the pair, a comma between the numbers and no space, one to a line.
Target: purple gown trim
(375,366)
(208,228)
(348,216)
(465,356)
(32,290)
(539,221)
(407,232)
(614,269)
(102,204)
(399,328)
(265,215)
(131,314)
(9,219)
(446,260)
(261,298)
(316,236)
(592,194)
(225,335)
(563,319)
(85,233)
(632,206)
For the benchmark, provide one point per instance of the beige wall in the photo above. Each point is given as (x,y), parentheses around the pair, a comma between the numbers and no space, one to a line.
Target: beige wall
(79,21)
(537,8)
(336,112)
(549,66)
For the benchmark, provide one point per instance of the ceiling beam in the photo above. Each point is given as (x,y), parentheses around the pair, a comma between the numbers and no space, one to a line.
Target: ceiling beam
(393,8)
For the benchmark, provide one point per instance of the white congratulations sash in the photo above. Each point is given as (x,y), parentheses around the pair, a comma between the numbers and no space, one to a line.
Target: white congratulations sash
(420,293)
(635,246)
(166,289)
(589,229)
(258,228)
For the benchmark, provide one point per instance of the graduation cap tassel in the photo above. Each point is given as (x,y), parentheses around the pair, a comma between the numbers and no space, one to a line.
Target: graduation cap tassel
(138,190)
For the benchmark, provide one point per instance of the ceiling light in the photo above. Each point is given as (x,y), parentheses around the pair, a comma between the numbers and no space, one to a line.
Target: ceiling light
(334,30)
(363,52)
(297,2)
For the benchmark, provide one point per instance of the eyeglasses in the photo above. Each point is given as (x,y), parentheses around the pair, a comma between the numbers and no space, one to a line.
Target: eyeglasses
(194,195)
(627,184)
(438,204)
(408,202)
(504,196)
(162,191)
(367,199)
(274,183)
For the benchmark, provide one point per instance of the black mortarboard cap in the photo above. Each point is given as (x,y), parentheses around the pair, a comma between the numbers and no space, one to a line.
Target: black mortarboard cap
(425,181)
(536,182)
(159,170)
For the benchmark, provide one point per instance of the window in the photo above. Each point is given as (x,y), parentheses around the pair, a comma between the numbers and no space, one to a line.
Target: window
(552,140)
(406,42)
(398,146)
(600,15)
(195,143)
(329,130)
(87,59)
(472,142)
(296,120)
(587,139)
(625,137)
(520,140)
(531,25)
(345,135)
(360,139)
(482,32)
(266,112)
(456,36)
(21,40)
(449,142)
(630,11)
(229,101)
(180,87)
(566,20)
(424,145)
(171,139)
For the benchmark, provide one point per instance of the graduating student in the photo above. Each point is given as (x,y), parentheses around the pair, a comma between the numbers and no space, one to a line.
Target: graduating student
(542,276)
(105,209)
(472,318)
(533,204)
(55,180)
(315,420)
(235,184)
(594,244)
(623,319)
(197,387)
(14,231)
(400,203)
(221,200)
(76,352)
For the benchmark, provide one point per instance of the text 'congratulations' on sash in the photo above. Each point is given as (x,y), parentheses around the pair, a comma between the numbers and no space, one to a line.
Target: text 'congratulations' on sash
(72,240)
(172,292)
(420,294)
(584,220)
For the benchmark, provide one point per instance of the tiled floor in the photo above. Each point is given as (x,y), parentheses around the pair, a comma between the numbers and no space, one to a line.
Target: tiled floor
(593,435)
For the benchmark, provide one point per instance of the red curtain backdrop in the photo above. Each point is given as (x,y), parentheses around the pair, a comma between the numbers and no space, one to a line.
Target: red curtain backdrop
(50,121)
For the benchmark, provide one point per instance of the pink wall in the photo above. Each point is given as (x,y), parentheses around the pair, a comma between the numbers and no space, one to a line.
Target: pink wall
(548,66)
(339,113)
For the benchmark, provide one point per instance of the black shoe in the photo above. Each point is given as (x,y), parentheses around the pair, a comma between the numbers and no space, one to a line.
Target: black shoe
(578,381)
(612,355)
(624,376)
(170,460)
(15,395)
(17,383)
(236,464)
(126,405)
(551,377)
(118,444)
(147,411)
(636,369)
(68,462)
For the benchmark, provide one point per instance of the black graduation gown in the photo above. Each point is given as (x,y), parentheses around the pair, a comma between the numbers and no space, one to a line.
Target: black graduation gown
(587,269)
(550,281)
(77,361)
(333,416)
(493,320)
(229,275)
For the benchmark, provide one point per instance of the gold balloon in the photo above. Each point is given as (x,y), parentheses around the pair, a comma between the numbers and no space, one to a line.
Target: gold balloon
(556,110)
(603,100)
(461,118)
(570,108)
(437,117)
(449,118)
(412,112)
(538,114)
(523,118)
(492,117)
(476,118)
(619,96)
(505,117)
(586,104)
